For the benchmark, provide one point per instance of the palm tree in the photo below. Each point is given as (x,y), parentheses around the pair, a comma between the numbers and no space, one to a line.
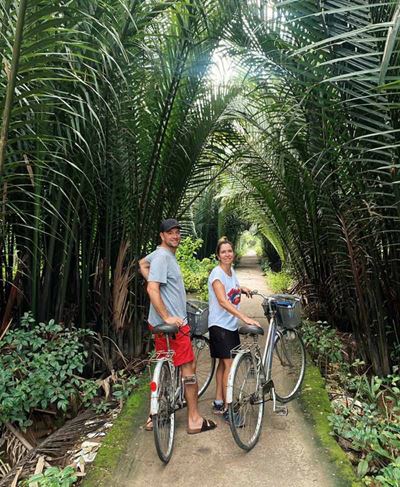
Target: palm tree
(105,123)
(321,121)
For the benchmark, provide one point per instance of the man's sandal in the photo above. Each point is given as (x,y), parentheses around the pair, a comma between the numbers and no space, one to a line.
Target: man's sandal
(149,424)
(207,425)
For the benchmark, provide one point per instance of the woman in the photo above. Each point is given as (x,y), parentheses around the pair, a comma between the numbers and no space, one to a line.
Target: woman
(224,299)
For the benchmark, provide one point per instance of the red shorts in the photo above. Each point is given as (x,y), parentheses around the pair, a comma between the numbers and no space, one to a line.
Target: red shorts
(181,345)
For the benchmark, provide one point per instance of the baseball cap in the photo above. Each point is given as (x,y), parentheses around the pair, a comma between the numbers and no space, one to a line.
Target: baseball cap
(168,224)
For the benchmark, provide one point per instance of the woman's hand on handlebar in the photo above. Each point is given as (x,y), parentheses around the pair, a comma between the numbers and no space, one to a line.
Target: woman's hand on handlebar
(246,291)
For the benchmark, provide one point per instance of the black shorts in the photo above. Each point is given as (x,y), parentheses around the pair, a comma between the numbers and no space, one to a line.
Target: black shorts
(222,341)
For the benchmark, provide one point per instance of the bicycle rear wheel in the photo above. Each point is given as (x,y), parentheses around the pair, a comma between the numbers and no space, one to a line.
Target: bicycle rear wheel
(247,408)
(164,420)
(205,364)
(288,365)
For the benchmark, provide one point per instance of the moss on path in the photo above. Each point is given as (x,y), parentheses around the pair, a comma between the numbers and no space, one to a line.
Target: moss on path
(102,471)
(317,408)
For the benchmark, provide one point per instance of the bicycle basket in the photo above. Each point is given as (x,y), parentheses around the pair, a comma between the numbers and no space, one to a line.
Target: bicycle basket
(197,316)
(288,310)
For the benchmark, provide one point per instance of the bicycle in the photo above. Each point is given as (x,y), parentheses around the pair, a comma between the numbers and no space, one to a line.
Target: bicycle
(277,372)
(197,316)
(167,387)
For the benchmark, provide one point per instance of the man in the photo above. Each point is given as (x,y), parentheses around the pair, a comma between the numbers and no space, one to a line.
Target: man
(168,305)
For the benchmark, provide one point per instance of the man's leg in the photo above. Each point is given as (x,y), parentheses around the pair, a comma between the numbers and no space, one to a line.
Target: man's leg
(184,357)
(191,395)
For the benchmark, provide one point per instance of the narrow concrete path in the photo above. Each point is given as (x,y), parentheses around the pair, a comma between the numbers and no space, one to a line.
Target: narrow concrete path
(286,455)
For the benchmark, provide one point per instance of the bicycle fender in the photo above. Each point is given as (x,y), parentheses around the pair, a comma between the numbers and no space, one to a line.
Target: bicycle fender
(154,394)
(229,387)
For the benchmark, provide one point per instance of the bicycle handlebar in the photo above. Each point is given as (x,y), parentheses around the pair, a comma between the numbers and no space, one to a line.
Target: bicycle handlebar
(257,293)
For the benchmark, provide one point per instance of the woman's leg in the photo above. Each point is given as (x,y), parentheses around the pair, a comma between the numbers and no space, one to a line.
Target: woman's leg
(219,381)
(227,367)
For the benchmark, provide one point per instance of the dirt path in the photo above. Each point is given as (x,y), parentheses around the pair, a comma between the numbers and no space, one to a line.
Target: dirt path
(285,456)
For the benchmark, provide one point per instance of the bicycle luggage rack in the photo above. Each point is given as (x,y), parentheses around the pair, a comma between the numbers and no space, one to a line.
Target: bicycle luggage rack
(168,355)
(246,345)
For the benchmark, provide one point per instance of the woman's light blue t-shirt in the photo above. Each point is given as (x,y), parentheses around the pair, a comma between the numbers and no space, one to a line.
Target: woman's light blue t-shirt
(218,316)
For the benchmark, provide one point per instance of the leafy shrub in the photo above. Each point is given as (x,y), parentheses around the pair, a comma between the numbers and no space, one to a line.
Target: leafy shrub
(322,343)
(38,367)
(279,282)
(195,271)
(53,477)
(366,416)
(371,422)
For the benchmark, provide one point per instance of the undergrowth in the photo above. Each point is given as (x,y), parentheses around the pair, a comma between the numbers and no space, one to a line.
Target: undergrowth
(366,408)
(278,282)
(195,272)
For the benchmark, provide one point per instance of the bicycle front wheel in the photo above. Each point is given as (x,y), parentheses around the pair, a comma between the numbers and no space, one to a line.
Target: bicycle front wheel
(205,364)
(164,420)
(288,365)
(247,408)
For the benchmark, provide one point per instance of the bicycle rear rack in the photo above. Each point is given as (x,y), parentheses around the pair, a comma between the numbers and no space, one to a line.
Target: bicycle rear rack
(168,354)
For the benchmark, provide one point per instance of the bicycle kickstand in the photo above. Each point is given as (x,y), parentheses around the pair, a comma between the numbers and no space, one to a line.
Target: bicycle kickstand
(279,409)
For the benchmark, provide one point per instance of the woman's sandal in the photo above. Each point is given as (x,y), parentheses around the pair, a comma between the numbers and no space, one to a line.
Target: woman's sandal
(207,425)
(149,424)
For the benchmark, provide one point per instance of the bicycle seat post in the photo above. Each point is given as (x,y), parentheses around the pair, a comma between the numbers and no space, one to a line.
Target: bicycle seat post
(167,339)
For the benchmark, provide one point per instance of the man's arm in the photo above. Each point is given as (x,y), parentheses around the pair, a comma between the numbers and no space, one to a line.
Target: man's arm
(153,290)
(144,267)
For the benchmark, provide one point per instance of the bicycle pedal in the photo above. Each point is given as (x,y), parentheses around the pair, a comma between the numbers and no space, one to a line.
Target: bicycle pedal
(281,410)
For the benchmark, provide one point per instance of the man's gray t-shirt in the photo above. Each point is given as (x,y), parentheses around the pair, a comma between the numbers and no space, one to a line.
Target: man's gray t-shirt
(165,269)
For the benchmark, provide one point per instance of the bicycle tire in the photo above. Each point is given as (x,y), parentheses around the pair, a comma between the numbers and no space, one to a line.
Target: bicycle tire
(246,410)
(164,420)
(205,364)
(288,365)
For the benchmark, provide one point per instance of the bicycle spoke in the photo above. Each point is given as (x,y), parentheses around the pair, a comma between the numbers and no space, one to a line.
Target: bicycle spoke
(164,420)
(246,410)
(205,364)
(288,365)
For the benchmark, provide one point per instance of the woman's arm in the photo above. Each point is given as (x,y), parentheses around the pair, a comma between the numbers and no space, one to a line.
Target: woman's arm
(220,293)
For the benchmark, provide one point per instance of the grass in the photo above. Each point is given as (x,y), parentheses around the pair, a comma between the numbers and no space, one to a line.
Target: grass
(315,401)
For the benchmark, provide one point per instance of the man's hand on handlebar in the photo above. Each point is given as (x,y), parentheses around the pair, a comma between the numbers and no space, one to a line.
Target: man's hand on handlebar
(174,320)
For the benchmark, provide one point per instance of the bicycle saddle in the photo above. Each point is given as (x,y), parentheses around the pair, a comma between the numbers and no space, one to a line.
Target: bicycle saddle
(250,330)
(164,328)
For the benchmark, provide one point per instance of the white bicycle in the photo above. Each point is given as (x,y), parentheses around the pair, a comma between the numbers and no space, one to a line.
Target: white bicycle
(277,372)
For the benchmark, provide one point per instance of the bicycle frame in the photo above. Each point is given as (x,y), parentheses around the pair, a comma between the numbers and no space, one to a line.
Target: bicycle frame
(176,375)
(265,366)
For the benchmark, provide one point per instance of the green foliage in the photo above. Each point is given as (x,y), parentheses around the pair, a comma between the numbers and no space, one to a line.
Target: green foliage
(53,477)
(195,271)
(371,422)
(367,415)
(249,242)
(322,343)
(389,476)
(111,124)
(124,387)
(318,164)
(279,282)
(38,367)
